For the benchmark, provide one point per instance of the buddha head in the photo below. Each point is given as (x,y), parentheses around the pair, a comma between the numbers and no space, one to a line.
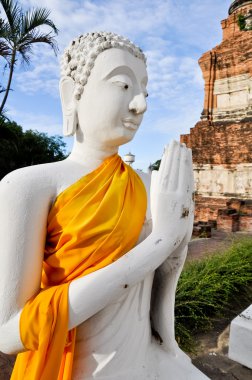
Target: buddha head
(103,87)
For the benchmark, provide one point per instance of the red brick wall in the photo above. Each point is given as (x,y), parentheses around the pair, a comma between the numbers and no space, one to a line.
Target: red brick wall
(233,56)
(206,208)
(225,144)
(218,209)
(245,223)
(229,26)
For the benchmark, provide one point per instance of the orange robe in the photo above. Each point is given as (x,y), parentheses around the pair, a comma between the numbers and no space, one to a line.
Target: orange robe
(91,224)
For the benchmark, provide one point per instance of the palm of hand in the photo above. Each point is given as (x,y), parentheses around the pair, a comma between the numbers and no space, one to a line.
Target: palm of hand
(172,203)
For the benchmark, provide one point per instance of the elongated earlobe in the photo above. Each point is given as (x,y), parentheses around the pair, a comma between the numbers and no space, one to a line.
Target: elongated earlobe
(70,122)
(68,103)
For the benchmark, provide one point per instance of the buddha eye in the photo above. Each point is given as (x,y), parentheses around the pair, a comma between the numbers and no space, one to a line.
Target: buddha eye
(146,95)
(123,81)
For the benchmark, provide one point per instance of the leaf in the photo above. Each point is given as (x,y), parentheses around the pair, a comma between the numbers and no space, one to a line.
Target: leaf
(19,32)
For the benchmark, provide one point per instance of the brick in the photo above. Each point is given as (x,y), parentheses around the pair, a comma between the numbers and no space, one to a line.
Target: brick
(245,223)
(228,222)
(228,143)
(225,137)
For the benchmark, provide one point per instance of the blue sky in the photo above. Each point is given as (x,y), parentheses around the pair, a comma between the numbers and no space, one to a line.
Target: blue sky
(173,34)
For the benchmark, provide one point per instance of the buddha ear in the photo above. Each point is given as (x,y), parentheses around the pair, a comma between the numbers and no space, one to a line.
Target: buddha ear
(69,107)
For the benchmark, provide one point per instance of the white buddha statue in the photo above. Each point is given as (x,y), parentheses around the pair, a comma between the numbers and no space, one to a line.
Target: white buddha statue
(111,305)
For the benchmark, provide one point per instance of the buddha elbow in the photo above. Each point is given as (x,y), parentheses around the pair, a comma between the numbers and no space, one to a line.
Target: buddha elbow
(10,344)
(9,348)
(5,346)
(5,349)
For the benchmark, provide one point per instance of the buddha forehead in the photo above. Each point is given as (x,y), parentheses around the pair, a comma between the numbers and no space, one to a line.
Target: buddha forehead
(80,56)
(116,61)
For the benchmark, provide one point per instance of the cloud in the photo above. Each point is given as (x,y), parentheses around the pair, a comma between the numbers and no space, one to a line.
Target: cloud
(39,79)
(197,22)
(164,29)
(172,33)
(121,16)
(173,78)
(176,124)
(41,122)
(141,23)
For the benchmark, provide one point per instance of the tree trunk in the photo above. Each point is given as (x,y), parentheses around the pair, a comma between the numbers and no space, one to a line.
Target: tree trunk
(12,64)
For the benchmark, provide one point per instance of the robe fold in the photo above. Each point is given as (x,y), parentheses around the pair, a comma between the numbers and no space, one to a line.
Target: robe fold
(91,224)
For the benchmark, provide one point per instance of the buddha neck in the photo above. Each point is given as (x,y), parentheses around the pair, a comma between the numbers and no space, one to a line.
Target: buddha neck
(90,155)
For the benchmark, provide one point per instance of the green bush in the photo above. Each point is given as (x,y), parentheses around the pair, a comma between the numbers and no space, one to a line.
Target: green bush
(241,22)
(20,148)
(210,288)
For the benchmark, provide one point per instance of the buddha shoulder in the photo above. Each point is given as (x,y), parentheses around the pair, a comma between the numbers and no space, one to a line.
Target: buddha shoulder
(38,181)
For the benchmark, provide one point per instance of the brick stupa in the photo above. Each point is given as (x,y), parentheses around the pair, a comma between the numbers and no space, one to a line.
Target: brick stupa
(222,141)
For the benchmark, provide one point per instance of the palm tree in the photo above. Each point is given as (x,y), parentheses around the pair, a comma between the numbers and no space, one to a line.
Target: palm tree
(19,31)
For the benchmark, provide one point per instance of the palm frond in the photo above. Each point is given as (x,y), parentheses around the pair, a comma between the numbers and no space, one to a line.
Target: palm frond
(36,36)
(25,51)
(2,89)
(19,31)
(4,28)
(3,116)
(5,50)
(13,13)
(35,18)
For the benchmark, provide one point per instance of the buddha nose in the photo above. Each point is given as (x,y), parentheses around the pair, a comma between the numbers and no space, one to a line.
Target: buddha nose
(138,104)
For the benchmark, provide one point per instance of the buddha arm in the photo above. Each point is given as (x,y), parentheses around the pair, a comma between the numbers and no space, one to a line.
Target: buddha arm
(24,210)
(24,204)
(97,289)
(172,193)
(163,299)
(106,284)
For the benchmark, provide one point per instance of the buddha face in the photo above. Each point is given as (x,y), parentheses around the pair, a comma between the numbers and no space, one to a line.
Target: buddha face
(114,100)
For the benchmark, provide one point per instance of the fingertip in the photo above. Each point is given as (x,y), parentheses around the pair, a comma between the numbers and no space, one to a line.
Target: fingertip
(189,150)
(173,143)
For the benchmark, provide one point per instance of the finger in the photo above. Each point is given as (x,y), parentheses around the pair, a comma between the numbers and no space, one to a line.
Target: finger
(166,161)
(172,181)
(186,184)
(191,169)
(185,180)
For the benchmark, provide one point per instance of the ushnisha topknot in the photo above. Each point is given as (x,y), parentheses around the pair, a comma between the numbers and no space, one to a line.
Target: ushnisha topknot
(79,57)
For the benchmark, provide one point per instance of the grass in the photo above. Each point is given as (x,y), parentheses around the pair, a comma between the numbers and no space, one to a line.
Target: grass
(210,289)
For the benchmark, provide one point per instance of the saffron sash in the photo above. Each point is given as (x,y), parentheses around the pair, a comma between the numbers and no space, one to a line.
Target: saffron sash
(91,224)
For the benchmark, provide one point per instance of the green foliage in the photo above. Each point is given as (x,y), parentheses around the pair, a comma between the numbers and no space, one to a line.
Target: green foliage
(241,21)
(155,166)
(19,148)
(203,235)
(209,288)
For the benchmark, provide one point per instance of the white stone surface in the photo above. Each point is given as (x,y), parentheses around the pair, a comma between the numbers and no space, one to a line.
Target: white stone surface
(234,94)
(219,181)
(113,322)
(240,340)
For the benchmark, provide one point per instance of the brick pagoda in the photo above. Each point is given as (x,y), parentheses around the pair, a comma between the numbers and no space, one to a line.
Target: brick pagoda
(222,141)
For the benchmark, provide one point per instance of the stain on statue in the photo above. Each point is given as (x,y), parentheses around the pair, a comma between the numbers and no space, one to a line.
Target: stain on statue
(91,250)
